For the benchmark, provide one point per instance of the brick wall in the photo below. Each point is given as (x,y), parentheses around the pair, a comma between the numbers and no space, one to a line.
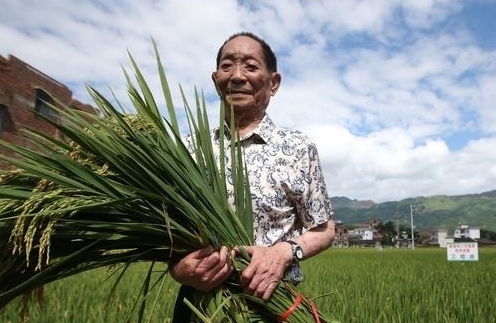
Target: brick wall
(18,92)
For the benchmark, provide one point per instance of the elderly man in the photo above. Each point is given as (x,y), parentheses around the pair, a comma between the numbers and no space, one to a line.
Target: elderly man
(291,209)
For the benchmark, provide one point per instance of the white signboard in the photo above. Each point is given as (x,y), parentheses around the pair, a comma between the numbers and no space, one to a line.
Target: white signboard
(462,251)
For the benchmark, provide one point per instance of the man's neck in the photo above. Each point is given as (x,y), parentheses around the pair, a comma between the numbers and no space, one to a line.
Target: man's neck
(245,125)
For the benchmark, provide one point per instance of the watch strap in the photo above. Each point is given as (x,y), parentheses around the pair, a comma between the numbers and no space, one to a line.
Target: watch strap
(295,250)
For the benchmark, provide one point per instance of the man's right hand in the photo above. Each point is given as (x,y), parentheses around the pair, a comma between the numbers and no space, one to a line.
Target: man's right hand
(203,269)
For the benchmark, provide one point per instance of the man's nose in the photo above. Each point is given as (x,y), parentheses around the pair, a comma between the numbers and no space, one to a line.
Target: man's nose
(238,73)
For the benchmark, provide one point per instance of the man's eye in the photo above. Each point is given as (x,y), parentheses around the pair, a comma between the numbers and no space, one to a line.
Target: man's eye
(251,67)
(225,66)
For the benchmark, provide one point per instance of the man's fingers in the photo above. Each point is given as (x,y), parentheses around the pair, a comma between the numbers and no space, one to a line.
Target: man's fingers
(205,252)
(222,274)
(270,290)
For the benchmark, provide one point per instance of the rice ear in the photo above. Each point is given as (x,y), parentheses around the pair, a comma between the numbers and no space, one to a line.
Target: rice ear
(122,188)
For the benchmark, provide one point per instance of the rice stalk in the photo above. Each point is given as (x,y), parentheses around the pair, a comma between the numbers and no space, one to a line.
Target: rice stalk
(120,188)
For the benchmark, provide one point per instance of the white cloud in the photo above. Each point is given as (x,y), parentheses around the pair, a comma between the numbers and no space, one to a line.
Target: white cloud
(379,85)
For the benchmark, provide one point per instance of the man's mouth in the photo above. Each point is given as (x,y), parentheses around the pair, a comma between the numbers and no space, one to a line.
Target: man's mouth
(237,93)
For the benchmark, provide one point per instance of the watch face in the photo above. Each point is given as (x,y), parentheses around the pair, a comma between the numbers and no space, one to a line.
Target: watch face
(299,252)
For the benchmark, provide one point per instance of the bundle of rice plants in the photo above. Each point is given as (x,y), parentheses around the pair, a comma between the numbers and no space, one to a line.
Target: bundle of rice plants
(121,188)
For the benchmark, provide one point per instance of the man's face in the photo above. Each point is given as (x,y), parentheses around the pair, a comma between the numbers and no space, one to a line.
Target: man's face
(243,78)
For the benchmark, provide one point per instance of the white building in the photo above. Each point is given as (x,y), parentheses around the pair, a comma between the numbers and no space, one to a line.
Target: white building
(434,236)
(364,233)
(442,237)
(465,231)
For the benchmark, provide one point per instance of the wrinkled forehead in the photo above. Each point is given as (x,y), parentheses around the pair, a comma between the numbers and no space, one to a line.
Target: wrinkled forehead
(242,47)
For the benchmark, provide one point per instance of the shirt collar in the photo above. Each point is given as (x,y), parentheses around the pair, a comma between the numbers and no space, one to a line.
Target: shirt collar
(261,134)
(265,128)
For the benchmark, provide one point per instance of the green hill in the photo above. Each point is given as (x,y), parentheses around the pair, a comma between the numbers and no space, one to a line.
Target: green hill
(439,211)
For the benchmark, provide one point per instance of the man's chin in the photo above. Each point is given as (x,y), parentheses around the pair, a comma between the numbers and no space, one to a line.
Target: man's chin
(236,103)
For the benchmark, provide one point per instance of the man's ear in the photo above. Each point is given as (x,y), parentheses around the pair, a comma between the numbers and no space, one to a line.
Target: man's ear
(275,83)
(214,79)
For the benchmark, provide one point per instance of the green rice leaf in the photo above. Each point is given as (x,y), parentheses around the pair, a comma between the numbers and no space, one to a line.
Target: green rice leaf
(121,188)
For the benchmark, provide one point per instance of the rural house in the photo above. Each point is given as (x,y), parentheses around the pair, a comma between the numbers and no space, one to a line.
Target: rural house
(23,91)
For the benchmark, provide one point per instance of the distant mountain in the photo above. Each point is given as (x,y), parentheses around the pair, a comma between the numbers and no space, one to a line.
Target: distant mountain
(339,202)
(439,211)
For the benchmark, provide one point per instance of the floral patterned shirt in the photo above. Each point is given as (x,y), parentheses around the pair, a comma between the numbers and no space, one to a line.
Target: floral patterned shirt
(287,185)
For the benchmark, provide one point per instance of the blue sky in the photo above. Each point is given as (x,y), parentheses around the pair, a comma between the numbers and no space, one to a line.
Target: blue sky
(399,95)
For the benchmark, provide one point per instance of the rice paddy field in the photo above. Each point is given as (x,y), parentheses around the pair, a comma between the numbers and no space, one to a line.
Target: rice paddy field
(360,285)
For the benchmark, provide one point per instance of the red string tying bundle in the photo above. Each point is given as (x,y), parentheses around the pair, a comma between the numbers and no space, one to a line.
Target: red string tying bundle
(299,298)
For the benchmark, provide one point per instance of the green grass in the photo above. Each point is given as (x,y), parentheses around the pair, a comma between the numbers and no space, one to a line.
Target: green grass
(403,286)
(85,298)
(361,286)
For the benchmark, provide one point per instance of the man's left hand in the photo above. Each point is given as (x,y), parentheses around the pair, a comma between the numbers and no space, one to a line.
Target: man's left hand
(266,269)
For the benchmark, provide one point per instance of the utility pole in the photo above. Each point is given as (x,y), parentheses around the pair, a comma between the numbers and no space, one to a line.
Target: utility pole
(411,223)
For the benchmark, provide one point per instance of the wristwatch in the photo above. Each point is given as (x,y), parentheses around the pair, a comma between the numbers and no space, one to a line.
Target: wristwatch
(297,251)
